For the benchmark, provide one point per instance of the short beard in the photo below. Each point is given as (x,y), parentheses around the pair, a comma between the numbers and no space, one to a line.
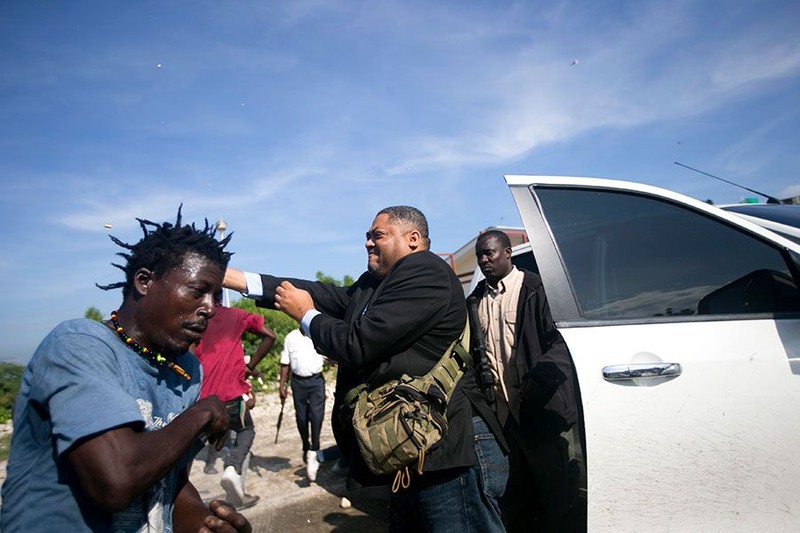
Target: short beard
(375,273)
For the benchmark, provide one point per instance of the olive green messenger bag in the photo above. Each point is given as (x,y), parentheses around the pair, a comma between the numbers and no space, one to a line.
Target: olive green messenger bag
(398,422)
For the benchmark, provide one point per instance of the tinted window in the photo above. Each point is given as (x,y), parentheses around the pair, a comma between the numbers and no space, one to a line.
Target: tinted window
(783,214)
(525,261)
(788,215)
(630,256)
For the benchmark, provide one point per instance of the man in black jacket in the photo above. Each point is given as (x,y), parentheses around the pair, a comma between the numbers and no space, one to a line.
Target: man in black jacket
(398,318)
(533,387)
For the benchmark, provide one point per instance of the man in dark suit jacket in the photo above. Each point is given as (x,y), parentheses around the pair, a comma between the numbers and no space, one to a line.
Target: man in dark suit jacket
(534,387)
(398,318)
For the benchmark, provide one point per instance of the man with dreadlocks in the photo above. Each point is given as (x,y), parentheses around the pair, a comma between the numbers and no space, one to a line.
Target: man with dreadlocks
(108,418)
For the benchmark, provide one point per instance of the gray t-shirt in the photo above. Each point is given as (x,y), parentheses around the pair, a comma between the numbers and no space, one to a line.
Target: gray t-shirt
(83,380)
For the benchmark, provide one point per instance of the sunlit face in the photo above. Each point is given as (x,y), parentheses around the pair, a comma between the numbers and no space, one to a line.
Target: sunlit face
(175,308)
(387,243)
(494,259)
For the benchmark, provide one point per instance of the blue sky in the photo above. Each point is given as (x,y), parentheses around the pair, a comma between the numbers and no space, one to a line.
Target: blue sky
(296,121)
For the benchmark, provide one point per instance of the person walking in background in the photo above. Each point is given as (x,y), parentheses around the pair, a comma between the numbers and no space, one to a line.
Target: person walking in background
(533,388)
(308,392)
(225,376)
(107,419)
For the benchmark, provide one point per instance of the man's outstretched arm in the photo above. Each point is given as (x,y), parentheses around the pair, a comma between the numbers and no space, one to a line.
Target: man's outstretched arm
(234,279)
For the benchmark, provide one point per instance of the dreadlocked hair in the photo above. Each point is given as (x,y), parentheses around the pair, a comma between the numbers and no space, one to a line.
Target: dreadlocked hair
(164,247)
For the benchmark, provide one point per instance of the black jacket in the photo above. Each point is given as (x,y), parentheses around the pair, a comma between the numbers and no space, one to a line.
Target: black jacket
(549,395)
(381,329)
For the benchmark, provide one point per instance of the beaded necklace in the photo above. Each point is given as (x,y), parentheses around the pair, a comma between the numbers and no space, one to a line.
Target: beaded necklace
(155,358)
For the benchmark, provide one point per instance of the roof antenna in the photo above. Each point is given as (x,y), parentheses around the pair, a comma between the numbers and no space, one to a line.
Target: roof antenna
(770,199)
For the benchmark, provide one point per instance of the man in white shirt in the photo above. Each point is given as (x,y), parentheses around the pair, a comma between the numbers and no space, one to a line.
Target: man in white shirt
(308,392)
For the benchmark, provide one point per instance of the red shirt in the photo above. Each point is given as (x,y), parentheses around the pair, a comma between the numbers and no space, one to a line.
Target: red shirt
(221,354)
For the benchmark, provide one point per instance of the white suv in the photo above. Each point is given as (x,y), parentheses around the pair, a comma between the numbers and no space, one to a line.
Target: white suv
(683,321)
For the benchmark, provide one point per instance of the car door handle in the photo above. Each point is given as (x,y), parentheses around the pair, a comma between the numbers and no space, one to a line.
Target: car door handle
(641,370)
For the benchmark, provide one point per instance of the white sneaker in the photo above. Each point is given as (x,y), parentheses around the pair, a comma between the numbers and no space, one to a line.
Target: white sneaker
(312,465)
(232,483)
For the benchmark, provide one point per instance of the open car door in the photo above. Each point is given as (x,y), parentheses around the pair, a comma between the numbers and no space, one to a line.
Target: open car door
(684,325)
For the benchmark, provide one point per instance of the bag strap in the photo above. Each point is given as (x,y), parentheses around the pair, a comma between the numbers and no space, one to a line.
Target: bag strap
(446,373)
(352,394)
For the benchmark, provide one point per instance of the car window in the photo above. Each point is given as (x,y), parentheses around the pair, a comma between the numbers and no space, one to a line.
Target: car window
(786,217)
(629,256)
(524,260)
(785,214)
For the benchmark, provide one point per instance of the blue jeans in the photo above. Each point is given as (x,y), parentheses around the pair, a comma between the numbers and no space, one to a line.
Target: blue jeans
(493,475)
(457,500)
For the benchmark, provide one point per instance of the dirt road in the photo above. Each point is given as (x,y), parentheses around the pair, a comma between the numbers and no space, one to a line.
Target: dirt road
(289,503)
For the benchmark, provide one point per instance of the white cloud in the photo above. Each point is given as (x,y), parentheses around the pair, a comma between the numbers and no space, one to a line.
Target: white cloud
(629,74)
(790,191)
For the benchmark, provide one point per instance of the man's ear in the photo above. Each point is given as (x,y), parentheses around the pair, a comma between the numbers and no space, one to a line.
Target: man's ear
(142,280)
(414,239)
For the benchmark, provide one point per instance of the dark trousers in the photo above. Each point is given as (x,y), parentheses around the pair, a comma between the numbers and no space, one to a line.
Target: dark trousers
(542,489)
(341,415)
(309,408)
(238,447)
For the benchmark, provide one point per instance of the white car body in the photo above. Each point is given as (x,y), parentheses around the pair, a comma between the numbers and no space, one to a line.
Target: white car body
(707,438)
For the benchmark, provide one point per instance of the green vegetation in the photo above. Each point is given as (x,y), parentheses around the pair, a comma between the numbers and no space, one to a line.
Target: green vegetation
(5,446)
(10,377)
(281,325)
(93,313)
(324,278)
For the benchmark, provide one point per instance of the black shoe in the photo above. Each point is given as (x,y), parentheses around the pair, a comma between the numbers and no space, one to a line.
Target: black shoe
(248,502)
(340,467)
